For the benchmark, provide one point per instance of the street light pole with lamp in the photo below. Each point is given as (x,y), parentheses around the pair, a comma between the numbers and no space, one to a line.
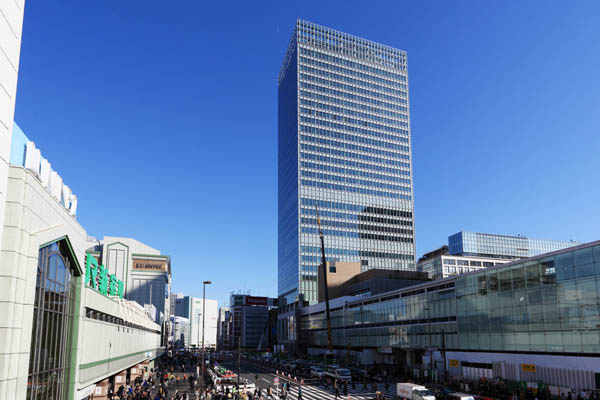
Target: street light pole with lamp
(203,317)
(430,348)
(198,342)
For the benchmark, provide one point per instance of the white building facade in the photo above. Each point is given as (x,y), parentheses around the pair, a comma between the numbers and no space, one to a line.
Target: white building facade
(445,265)
(67,332)
(191,308)
(11,26)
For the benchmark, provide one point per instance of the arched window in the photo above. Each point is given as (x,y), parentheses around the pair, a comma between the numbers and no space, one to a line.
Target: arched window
(49,360)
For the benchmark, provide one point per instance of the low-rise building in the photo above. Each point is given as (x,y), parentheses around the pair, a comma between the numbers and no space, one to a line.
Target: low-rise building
(530,320)
(472,251)
(346,279)
(438,264)
(491,245)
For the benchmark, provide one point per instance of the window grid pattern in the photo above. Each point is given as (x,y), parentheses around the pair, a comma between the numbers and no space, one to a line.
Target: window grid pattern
(502,246)
(52,324)
(547,304)
(353,145)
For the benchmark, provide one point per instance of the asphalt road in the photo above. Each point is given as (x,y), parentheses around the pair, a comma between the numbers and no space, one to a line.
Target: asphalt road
(311,390)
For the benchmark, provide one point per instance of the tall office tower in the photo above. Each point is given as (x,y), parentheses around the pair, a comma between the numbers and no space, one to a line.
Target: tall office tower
(344,151)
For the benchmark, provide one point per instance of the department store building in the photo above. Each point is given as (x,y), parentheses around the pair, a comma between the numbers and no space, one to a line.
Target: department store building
(68,330)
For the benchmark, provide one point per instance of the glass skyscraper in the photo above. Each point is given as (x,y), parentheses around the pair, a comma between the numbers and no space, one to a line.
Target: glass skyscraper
(502,246)
(344,151)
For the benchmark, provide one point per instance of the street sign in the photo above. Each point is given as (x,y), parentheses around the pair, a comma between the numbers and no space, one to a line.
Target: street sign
(276,380)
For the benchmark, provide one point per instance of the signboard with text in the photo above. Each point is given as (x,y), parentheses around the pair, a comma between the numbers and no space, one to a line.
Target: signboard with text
(256,301)
(149,265)
(97,277)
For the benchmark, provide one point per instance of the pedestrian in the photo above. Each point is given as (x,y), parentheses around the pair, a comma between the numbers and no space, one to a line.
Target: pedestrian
(299,392)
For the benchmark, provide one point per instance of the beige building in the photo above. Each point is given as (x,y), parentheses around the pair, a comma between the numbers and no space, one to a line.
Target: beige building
(338,273)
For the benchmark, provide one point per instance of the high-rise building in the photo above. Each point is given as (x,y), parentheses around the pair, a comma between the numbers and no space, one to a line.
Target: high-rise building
(173,301)
(502,246)
(253,321)
(345,152)
(191,308)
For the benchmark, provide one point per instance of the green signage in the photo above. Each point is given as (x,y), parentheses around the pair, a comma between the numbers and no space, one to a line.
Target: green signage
(97,277)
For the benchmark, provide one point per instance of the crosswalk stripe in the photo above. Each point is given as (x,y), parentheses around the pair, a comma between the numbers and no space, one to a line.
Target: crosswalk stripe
(318,393)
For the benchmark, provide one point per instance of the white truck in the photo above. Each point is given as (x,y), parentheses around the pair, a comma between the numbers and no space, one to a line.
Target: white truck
(412,391)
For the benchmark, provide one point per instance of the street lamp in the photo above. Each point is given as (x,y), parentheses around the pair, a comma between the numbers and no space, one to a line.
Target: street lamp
(203,317)
(430,348)
(197,341)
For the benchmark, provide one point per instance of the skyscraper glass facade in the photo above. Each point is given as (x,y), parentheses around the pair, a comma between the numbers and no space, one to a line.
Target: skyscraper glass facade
(502,246)
(344,152)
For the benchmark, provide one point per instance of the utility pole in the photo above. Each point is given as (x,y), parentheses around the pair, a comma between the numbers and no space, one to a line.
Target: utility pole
(197,343)
(430,349)
(324,262)
(203,317)
(239,359)
(444,354)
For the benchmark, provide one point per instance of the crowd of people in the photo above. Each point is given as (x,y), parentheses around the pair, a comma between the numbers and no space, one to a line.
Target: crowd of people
(160,383)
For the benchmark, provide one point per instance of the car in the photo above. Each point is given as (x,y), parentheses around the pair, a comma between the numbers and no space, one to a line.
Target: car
(359,374)
(339,374)
(317,372)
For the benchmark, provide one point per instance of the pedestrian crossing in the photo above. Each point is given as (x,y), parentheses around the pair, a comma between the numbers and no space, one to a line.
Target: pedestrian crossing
(319,392)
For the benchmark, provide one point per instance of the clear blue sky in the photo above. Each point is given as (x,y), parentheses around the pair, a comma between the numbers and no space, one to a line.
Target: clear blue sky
(161,116)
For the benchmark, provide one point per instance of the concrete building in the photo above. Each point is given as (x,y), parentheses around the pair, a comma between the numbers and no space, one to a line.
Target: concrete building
(191,308)
(173,301)
(472,251)
(224,329)
(438,264)
(477,244)
(344,150)
(252,321)
(146,272)
(346,279)
(530,320)
(338,273)
(181,332)
(11,26)
(62,312)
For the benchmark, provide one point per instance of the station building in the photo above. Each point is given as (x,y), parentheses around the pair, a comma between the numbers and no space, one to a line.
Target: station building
(68,330)
(533,320)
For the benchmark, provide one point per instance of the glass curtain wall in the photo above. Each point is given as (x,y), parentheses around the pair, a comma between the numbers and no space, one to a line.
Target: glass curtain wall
(550,304)
(49,361)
